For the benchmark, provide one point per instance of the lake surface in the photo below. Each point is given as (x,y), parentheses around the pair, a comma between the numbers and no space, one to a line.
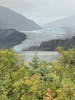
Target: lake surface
(43,55)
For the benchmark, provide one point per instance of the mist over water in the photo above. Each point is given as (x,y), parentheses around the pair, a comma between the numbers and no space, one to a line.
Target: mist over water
(35,38)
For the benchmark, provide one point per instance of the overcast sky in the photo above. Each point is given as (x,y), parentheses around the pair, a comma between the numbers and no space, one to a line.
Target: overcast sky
(42,11)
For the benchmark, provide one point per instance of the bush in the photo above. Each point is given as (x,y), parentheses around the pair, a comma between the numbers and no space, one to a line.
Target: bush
(41,81)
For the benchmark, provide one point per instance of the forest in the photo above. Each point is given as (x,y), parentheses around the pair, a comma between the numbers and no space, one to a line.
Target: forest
(41,80)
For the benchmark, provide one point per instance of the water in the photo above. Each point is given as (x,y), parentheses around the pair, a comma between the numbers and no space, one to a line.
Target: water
(34,38)
(43,55)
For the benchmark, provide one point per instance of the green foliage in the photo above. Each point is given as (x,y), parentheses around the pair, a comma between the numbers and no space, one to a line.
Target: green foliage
(12,73)
(41,81)
(68,57)
(35,62)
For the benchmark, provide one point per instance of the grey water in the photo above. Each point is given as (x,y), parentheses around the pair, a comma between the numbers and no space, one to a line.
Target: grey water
(27,56)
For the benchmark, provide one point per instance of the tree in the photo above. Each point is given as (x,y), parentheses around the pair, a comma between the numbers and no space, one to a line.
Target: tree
(12,74)
(41,81)
(35,63)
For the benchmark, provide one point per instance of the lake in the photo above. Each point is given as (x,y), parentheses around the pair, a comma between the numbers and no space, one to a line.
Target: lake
(35,38)
(43,55)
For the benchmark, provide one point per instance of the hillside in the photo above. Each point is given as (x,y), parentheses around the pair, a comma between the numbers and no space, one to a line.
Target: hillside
(10,38)
(65,22)
(53,44)
(11,19)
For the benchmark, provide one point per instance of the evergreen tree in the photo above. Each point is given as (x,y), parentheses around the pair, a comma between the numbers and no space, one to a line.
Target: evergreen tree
(35,63)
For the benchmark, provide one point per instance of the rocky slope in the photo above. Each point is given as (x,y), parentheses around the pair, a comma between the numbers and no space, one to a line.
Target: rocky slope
(53,44)
(10,38)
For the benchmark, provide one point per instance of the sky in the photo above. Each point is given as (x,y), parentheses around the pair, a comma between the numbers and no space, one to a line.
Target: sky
(42,11)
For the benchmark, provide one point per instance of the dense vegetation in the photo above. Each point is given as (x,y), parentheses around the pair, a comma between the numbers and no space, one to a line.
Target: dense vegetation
(40,80)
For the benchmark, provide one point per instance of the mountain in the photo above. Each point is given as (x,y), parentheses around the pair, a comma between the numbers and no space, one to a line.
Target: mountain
(66,22)
(11,19)
(53,44)
(10,38)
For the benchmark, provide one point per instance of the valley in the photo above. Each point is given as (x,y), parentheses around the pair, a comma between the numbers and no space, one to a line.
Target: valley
(35,38)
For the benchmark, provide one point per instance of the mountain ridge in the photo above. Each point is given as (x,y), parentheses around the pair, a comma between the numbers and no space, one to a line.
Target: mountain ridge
(53,44)
(10,38)
(65,22)
(11,19)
